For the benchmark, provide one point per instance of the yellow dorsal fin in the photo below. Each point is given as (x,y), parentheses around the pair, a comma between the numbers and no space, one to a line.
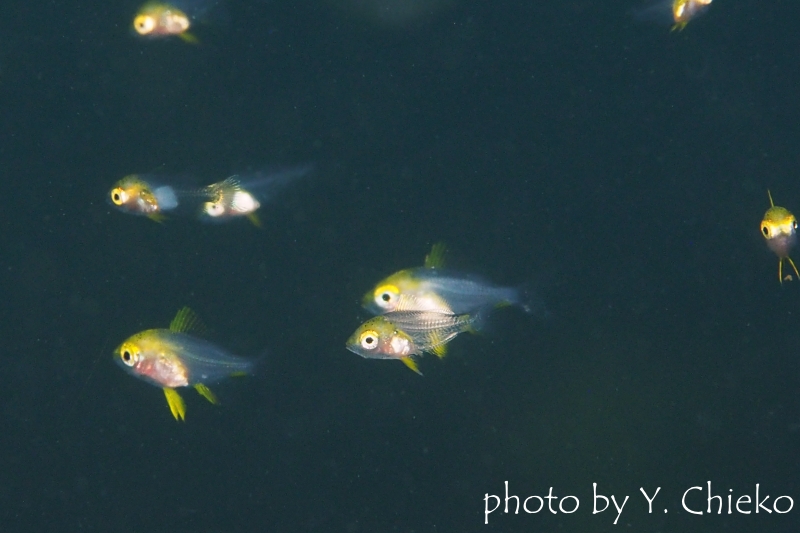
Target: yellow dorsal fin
(186,321)
(176,405)
(435,259)
(206,393)
(410,363)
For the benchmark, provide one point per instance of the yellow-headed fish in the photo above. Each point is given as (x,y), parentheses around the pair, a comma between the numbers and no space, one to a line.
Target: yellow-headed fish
(172,358)
(405,334)
(153,196)
(143,195)
(431,288)
(779,228)
(164,19)
(241,196)
(677,12)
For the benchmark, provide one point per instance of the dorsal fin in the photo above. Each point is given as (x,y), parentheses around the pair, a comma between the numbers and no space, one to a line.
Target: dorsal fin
(186,321)
(435,259)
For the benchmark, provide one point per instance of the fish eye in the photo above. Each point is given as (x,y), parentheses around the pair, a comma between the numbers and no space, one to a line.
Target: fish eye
(765,230)
(369,339)
(128,357)
(386,295)
(144,24)
(794,224)
(214,209)
(119,196)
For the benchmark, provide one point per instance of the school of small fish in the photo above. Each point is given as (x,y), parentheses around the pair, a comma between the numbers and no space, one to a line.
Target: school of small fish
(416,310)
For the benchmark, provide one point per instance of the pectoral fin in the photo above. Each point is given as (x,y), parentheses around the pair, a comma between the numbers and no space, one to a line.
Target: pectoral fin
(206,393)
(175,402)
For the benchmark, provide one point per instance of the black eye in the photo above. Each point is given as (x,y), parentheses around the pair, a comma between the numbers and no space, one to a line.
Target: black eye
(386,297)
(126,356)
(116,197)
(765,231)
(369,340)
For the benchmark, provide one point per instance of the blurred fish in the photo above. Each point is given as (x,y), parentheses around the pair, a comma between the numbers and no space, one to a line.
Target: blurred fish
(405,334)
(779,228)
(144,194)
(431,288)
(165,19)
(676,12)
(241,196)
(171,358)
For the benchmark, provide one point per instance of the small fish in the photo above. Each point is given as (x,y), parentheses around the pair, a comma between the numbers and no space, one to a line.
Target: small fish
(241,196)
(172,358)
(677,12)
(431,288)
(405,334)
(164,19)
(143,195)
(779,228)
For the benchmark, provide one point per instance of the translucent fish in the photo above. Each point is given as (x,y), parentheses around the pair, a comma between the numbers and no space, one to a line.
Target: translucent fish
(432,288)
(404,335)
(175,18)
(173,358)
(779,228)
(243,195)
(678,13)
(150,195)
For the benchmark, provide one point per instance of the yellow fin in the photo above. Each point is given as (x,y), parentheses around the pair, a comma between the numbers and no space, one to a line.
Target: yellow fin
(175,402)
(157,217)
(186,321)
(440,350)
(410,363)
(438,345)
(435,259)
(678,26)
(206,393)
(253,217)
(188,38)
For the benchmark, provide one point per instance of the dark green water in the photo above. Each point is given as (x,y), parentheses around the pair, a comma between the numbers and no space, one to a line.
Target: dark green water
(621,167)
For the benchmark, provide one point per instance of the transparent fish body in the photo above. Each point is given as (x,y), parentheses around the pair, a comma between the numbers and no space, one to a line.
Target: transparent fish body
(779,228)
(242,195)
(149,195)
(175,18)
(405,334)
(434,289)
(676,13)
(167,358)
(173,358)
